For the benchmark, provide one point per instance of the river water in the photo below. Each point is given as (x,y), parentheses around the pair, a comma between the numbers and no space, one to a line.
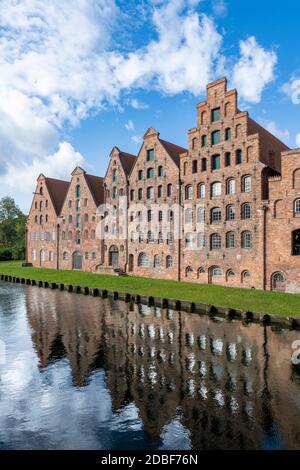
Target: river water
(80,372)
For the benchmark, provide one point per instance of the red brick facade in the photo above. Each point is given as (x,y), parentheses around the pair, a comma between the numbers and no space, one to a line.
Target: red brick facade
(224,211)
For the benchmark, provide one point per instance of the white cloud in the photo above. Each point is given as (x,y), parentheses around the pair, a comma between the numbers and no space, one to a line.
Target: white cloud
(136,104)
(254,70)
(292,89)
(129,125)
(219,7)
(136,139)
(272,127)
(298,140)
(57,165)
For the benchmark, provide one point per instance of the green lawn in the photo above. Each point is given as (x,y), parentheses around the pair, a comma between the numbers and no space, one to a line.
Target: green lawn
(245,299)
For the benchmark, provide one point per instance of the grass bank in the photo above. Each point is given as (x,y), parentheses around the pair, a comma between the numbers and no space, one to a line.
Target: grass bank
(246,299)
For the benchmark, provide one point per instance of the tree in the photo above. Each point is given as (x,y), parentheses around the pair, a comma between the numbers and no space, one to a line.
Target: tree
(12,227)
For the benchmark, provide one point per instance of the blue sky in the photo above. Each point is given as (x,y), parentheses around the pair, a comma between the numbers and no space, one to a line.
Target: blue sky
(80,76)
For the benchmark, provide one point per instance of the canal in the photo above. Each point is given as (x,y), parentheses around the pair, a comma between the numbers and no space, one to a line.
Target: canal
(80,372)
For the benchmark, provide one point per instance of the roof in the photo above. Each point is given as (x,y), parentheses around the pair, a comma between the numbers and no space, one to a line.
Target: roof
(127,160)
(95,184)
(57,190)
(173,150)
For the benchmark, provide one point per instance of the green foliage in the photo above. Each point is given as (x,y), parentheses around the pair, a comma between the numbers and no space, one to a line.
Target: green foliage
(5,254)
(12,228)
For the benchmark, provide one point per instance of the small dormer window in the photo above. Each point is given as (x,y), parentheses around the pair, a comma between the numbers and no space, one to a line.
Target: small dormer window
(215,114)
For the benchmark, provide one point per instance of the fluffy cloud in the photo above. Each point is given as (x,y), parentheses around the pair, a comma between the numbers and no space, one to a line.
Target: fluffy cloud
(129,125)
(60,62)
(219,7)
(254,70)
(272,127)
(57,165)
(292,89)
(298,140)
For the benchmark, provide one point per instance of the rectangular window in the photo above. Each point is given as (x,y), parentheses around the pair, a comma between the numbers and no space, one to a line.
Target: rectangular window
(238,159)
(228,133)
(195,166)
(150,193)
(140,175)
(216,162)
(215,114)
(227,159)
(203,164)
(140,194)
(160,216)
(150,155)
(215,138)
(203,141)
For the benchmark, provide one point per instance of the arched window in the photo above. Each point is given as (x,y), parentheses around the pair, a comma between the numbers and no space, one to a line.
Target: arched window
(194,140)
(70,219)
(189,192)
(216,189)
(246,184)
(41,191)
(230,212)
(170,215)
(230,274)
(42,256)
(216,271)
(230,186)
(160,238)
(201,191)
(77,191)
(279,209)
(278,282)
(65,256)
(188,270)
(169,190)
(296,179)
(201,214)
(78,237)
(246,239)
(140,194)
(215,215)
(230,240)
(149,215)
(297,207)
(238,131)
(160,171)
(203,164)
(200,240)
(227,109)
(204,117)
(93,234)
(132,236)
(157,261)
(150,192)
(140,175)
(78,221)
(114,194)
(185,166)
(41,219)
(41,205)
(201,270)
(169,261)
(86,235)
(215,241)
(245,275)
(114,175)
(189,240)
(143,260)
(159,191)
(188,216)
(246,211)
(150,173)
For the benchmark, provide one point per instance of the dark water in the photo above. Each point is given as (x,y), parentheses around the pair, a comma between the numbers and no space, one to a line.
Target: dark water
(89,373)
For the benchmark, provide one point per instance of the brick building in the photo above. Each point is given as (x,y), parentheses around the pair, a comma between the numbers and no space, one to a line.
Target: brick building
(223,211)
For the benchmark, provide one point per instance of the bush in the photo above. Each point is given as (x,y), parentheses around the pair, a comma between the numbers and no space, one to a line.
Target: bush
(5,254)
(18,251)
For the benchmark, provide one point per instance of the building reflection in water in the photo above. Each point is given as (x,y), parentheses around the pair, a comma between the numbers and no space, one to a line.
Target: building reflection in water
(230,385)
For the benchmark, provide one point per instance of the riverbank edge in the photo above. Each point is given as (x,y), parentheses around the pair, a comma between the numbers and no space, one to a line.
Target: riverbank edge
(164,303)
